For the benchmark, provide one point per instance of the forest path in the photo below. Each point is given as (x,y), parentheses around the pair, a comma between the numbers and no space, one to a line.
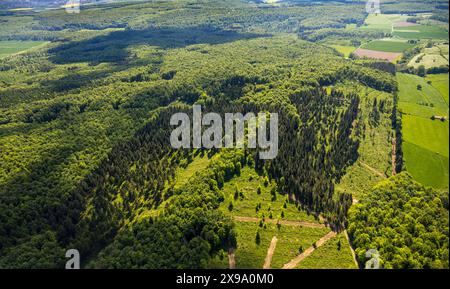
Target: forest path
(282,222)
(294,262)
(231,259)
(393,155)
(270,251)
(351,248)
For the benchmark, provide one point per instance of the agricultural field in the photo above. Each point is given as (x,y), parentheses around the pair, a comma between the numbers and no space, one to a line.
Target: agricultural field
(421,32)
(389,56)
(425,141)
(388,45)
(440,82)
(377,22)
(12,47)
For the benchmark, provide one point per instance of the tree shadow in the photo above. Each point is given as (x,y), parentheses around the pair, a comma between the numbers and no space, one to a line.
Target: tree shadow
(113,46)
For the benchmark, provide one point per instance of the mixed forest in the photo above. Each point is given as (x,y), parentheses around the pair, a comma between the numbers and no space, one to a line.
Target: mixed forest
(86,161)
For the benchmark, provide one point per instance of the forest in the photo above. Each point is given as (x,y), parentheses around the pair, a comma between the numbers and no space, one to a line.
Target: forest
(86,160)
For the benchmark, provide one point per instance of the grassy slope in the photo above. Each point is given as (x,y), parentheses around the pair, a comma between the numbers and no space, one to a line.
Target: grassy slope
(421,32)
(378,22)
(251,255)
(440,82)
(387,46)
(408,93)
(248,183)
(183,175)
(374,150)
(290,238)
(426,166)
(13,47)
(329,256)
(426,141)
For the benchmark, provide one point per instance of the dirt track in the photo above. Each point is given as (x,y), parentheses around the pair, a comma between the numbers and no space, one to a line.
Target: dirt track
(394,147)
(270,251)
(231,259)
(351,248)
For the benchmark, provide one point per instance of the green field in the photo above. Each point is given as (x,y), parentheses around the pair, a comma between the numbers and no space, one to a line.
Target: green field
(421,32)
(387,45)
(425,141)
(378,22)
(330,256)
(346,50)
(440,82)
(430,134)
(13,47)
(427,167)
(428,98)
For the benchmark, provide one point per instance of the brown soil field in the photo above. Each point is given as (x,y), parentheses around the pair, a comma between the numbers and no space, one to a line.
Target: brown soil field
(389,56)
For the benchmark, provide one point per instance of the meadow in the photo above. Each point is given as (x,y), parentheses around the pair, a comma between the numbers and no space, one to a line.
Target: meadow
(421,32)
(377,22)
(440,82)
(425,141)
(387,45)
(415,90)
(335,254)
(12,47)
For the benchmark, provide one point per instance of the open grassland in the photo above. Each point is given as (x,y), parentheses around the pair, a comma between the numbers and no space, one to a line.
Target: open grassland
(378,22)
(425,166)
(387,45)
(426,133)
(242,193)
(425,96)
(435,56)
(421,32)
(291,239)
(335,254)
(440,82)
(13,47)
(425,141)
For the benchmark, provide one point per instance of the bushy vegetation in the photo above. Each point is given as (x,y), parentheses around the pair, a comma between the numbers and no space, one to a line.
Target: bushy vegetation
(405,222)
